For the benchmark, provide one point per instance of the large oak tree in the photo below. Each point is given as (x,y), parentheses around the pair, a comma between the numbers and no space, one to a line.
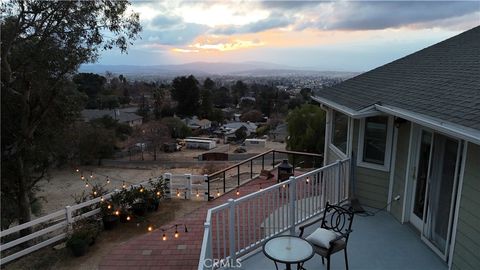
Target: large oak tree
(43,44)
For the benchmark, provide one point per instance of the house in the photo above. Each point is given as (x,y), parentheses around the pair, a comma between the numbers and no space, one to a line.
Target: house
(195,123)
(200,144)
(412,130)
(124,117)
(228,130)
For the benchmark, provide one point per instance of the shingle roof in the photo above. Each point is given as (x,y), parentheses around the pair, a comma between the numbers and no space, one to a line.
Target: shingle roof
(122,117)
(441,81)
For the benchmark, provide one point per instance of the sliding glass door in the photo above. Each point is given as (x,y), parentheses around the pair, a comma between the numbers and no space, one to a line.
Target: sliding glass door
(434,190)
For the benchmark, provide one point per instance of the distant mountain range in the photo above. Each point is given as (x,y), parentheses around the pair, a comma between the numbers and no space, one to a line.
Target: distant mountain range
(210,69)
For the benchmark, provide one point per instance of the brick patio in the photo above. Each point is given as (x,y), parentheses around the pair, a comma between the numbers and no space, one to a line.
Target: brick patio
(150,252)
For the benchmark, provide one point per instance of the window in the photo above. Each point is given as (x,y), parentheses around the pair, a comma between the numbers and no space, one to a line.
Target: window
(375,139)
(340,131)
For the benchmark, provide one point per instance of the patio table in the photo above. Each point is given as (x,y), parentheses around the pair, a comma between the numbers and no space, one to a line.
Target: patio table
(289,250)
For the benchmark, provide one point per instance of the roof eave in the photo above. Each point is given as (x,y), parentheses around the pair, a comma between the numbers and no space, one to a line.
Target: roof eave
(367,112)
(458,131)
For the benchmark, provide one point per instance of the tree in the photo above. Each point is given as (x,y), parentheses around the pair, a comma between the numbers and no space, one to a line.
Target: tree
(206,106)
(186,93)
(221,97)
(306,129)
(177,128)
(155,133)
(239,89)
(241,133)
(208,84)
(252,116)
(43,44)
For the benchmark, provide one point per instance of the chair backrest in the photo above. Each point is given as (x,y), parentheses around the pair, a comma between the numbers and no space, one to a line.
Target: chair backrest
(337,219)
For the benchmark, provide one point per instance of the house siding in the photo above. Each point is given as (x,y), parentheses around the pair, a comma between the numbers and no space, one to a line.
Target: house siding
(400,166)
(467,242)
(371,186)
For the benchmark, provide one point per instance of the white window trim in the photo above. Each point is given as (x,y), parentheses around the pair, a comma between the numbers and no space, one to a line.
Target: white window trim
(388,151)
(332,147)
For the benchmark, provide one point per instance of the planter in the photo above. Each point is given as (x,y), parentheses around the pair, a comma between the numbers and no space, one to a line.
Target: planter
(78,246)
(110,222)
(152,205)
(139,208)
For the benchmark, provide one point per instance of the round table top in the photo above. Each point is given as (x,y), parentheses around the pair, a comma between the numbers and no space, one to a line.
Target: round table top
(288,249)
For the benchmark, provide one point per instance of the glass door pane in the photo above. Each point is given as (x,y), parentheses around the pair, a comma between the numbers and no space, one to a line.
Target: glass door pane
(422,174)
(440,191)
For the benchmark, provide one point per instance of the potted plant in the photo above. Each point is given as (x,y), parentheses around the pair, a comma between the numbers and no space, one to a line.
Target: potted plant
(138,200)
(157,193)
(108,209)
(83,236)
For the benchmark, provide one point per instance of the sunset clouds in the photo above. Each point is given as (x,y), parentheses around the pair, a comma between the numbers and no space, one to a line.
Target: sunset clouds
(240,28)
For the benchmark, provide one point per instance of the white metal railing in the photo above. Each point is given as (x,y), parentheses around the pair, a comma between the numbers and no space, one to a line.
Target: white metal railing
(240,226)
(54,227)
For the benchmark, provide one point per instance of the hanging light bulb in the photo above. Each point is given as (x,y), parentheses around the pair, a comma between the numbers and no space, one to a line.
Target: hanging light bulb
(198,195)
(108,180)
(77,170)
(308,180)
(117,213)
(284,186)
(109,206)
(82,177)
(91,175)
(86,184)
(150,228)
(178,193)
(176,232)
(95,193)
(123,185)
(158,193)
(218,193)
(128,218)
(164,237)
(238,192)
(141,189)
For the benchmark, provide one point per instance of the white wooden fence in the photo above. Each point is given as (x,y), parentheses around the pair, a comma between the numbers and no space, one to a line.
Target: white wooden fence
(54,227)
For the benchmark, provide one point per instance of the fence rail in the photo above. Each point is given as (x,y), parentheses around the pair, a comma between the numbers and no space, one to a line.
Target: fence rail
(54,227)
(227,179)
(240,226)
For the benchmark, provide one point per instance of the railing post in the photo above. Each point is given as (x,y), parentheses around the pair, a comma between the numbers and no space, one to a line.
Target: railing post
(206,179)
(231,230)
(168,182)
(69,217)
(209,248)
(273,159)
(224,184)
(188,189)
(337,181)
(251,169)
(293,193)
(238,175)
(263,162)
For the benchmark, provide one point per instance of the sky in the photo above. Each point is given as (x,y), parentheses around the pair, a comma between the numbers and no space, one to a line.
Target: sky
(321,35)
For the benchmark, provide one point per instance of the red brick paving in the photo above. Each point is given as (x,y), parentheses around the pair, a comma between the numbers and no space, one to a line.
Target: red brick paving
(165,254)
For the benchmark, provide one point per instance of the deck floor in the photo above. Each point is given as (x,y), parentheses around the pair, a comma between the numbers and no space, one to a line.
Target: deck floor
(377,242)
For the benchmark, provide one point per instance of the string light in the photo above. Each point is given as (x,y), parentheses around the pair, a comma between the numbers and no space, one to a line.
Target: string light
(82,177)
(109,206)
(91,175)
(308,180)
(158,193)
(238,192)
(128,218)
(123,185)
(164,237)
(117,213)
(95,193)
(77,170)
(197,194)
(176,232)
(150,228)
(86,184)
(141,190)
(108,180)
(178,193)
(284,186)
